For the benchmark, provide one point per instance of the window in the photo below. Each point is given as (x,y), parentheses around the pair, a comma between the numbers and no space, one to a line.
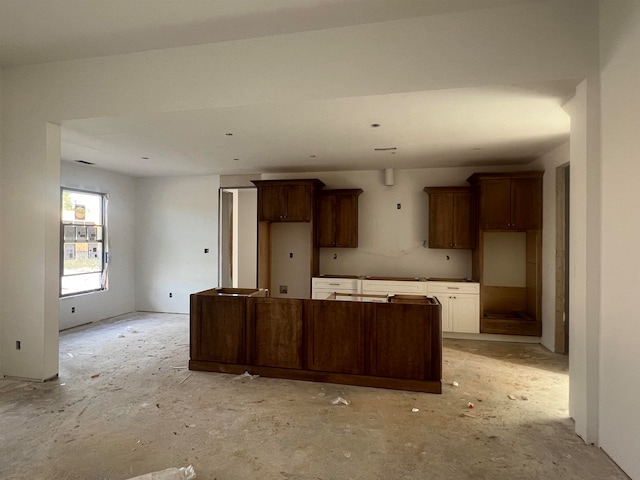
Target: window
(83,239)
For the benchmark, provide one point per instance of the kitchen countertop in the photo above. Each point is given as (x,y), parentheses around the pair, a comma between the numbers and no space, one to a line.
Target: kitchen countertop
(371,277)
(401,279)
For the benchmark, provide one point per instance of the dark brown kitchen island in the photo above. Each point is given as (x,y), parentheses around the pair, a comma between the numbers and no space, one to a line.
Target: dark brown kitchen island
(366,340)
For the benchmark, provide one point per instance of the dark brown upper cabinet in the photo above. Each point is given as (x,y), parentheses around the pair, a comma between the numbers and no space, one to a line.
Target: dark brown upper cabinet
(451,217)
(338,218)
(509,201)
(286,200)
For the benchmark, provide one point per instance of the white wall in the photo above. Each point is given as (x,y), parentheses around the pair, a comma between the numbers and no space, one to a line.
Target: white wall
(620,327)
(2,223)
(247,237)
(120,297)
(291,259)
(176,219)
(549,163)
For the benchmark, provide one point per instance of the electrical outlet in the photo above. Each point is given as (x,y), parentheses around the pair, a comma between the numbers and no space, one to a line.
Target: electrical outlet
(283,289)
(170,295)
(73,309)
(290,254)
(206,250)
(18,345)
(398,206)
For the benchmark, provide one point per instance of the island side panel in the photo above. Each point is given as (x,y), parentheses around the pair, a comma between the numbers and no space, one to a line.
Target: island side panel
(336,337)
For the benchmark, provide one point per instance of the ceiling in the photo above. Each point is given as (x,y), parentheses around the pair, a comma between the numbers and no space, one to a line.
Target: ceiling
(507,125)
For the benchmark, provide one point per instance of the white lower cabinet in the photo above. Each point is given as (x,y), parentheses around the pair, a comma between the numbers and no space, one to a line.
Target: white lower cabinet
(460,305)
(393,287)
(322,287)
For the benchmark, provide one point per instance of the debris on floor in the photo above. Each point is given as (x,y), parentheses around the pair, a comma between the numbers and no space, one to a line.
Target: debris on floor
(339,400)
(455,384)
(183,473)
(246,375)
(415,410)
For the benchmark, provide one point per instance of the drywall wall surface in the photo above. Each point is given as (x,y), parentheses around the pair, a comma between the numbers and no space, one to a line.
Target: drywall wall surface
(392,241)
(578,261)
(120,296)
(620,325)
(2,223)
(30,256)
(247,246)
(176,220)
(529,42)
(291,259)
(549,163)
(505,259)
(584,258)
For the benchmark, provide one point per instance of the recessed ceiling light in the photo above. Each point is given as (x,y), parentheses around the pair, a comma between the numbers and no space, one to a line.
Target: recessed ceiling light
(375,125)
(236,159)
(229,134)
(144,158)
(312,156)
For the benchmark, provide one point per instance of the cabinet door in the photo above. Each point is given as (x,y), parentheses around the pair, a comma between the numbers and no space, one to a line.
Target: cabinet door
(276,332)
(331,324)
(445,302)
(299,203)
(220,330)
(441,220)
(272,203)
(495,204)
(401,341)
(326,235)
(462,220)
(465,314)
(346,221)
(526,203)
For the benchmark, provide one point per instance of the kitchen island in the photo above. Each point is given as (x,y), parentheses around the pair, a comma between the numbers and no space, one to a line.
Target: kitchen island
(392,341)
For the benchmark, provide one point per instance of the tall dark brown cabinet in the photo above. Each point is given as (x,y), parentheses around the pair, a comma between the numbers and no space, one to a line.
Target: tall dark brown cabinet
(507,260)
(286,201)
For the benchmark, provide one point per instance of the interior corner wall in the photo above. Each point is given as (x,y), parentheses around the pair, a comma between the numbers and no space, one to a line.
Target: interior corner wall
(2,223)
(620,326)
(549,163)
(176,220)
(119,298)
(30,239)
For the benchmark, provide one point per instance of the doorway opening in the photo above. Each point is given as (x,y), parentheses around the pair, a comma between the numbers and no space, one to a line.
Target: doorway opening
(562,260)
(238,237)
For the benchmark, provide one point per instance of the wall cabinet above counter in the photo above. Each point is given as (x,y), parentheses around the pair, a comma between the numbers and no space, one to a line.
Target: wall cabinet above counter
(451,217)
(509,201)
(286,200)
(338,218)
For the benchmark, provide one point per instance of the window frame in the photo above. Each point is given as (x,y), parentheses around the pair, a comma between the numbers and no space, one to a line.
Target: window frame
(104,197)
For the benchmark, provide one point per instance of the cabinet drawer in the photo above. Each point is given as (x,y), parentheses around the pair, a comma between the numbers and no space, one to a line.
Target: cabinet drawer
(452,288)
(394,287)
(335,284)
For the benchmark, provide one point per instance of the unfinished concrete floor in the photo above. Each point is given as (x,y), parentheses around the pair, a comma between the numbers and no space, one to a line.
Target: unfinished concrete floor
(125,405)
